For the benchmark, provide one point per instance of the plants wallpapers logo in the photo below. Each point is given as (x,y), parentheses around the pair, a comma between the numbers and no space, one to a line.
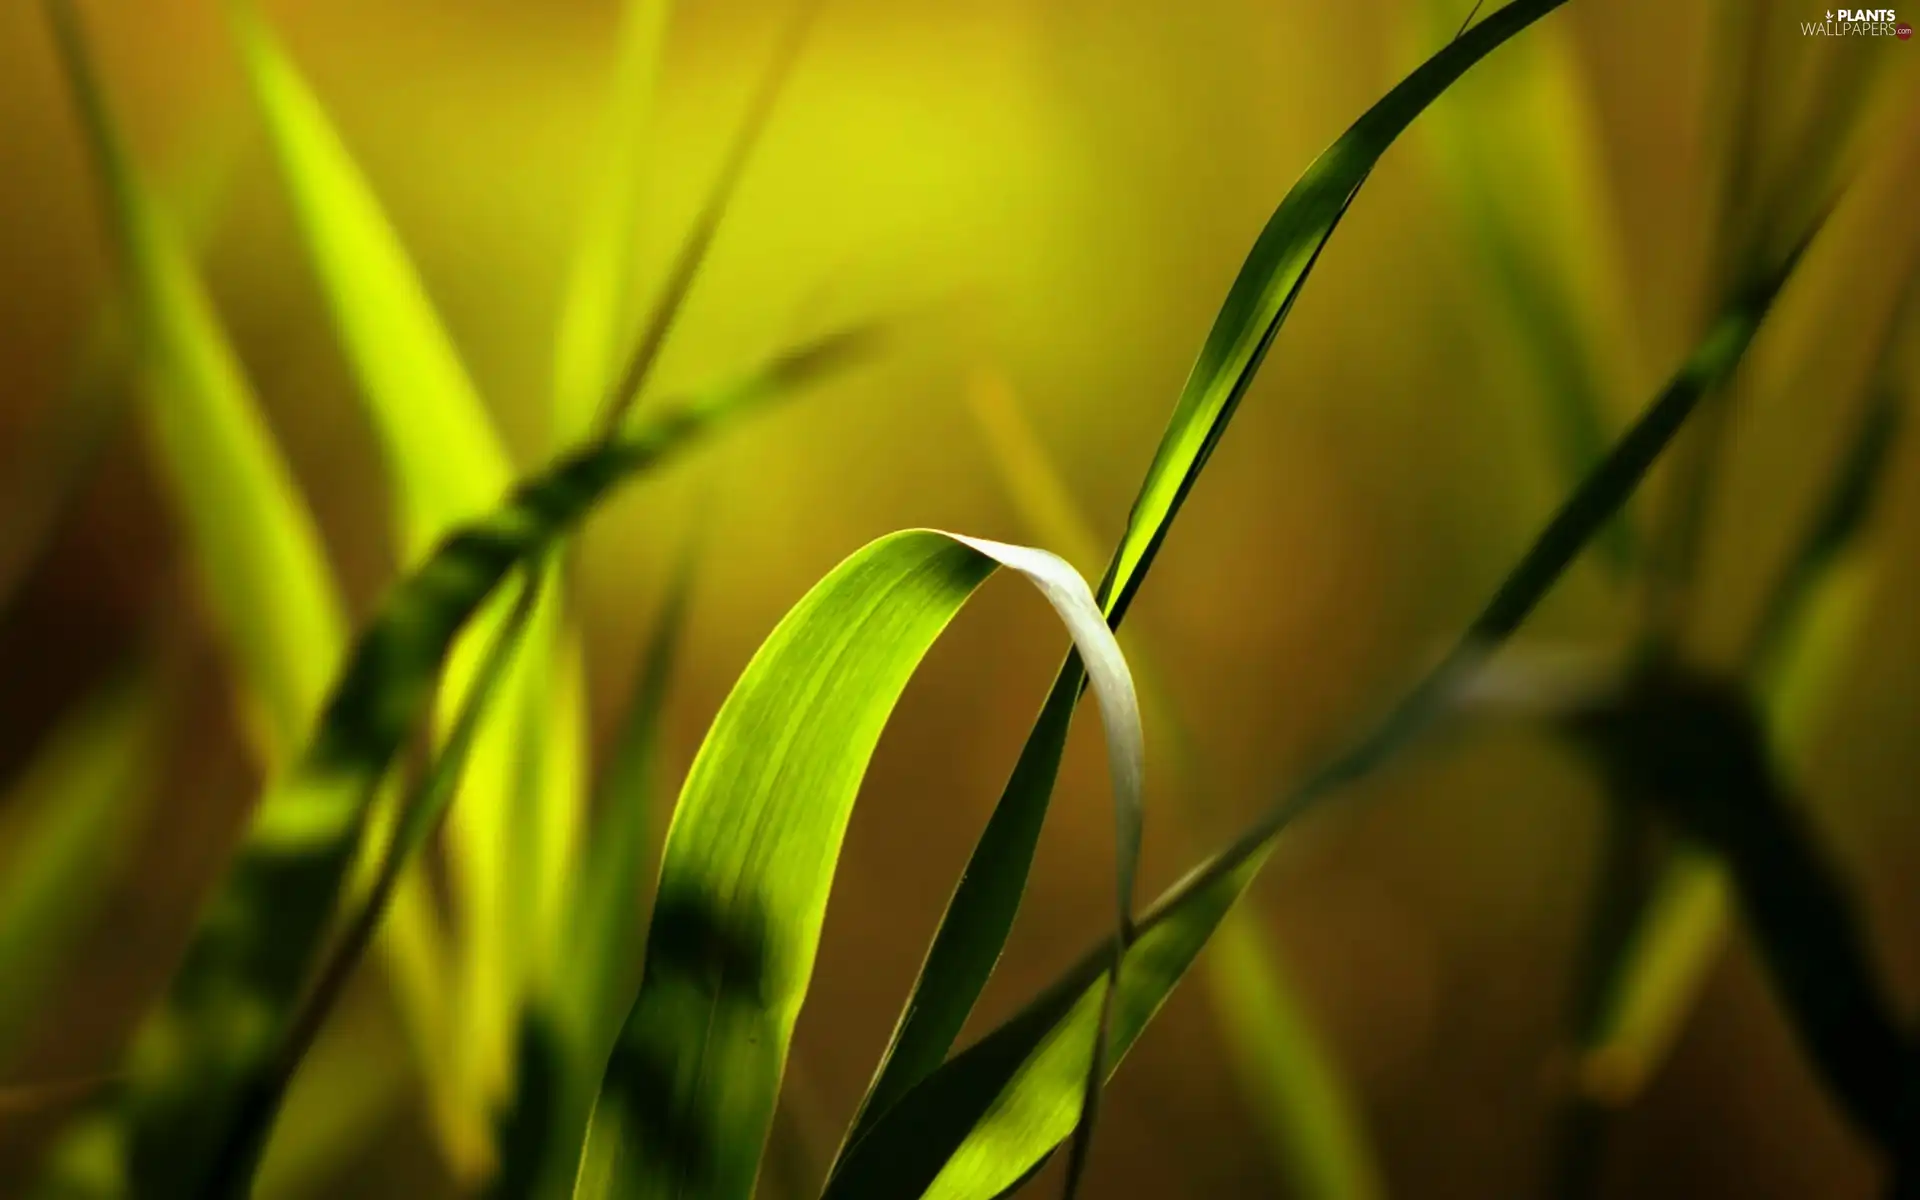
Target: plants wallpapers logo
(1858,22)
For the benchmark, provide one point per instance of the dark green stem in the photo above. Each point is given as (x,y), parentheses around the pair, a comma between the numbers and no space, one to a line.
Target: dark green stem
(1692,747)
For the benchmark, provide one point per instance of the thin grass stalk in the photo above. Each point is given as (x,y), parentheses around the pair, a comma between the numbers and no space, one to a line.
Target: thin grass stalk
(692,254)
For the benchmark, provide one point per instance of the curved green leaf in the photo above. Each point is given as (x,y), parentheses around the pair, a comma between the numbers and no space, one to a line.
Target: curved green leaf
(1314,1131)
(979,1123)
(981,912)
(566,1035)
(689,1092)
(607,921)
(229,1007)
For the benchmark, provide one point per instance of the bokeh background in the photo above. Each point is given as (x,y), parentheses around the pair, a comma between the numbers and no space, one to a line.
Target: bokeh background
(1054,194)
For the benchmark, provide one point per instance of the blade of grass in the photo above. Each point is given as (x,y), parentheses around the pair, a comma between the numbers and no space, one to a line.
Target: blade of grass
(1802,638)
(353,1089)
(689,1093)
(606,934)
(1305,1107)
(1655,926)
(1627,872)
(981,911)
(540,1129)
(419,816)
(625,393)
(597,305)
(1028,475)
(1295,1090)
(44,479)
(591,336)
(447,465)
(1519,153)
(447,462)
(251,955)
(980,1122)
(1790,129)
(1692,745)
(566,1036)
(259,553)
(260,556)
(551,815)
(1667,954)
(68,819)
(1835,531)
(1762,205)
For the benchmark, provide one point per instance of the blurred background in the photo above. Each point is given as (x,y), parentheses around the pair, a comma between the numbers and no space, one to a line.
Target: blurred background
(1047,200)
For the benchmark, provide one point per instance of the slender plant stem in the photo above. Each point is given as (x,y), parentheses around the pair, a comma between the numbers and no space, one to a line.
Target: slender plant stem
(1595,502)
(699,240)
(420,816)
(1626,906)
(1623,878)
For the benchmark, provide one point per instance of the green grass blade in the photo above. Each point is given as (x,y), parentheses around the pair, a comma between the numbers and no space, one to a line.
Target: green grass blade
(1316,1136)
(692,255)
(1302,1103)
(1018,1090)
(1518,151)
(1803,638)
(1766,198)
(1665,964)
(565,1049)
(1028,475)
(259,553)
(689,1093)
(607,933)
(66,822)
(261,558)
(550,812)
(597,309)
(447,466)
(1691,744)
(446,460)
(981,912)
(1785,131)
(229,1007)
(1834,532)
(420,815)
(44,478)
(980,1122)
(353,1087)
(566,1036)
(1271,279)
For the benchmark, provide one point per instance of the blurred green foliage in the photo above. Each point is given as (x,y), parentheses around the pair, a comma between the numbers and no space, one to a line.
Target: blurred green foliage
(1060,189)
